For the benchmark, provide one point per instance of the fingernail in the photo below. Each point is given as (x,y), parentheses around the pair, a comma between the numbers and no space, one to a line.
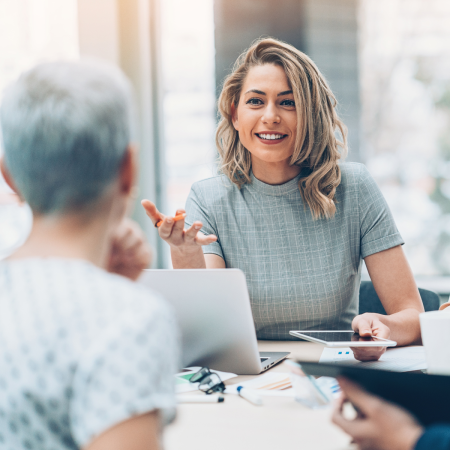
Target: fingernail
(169,220)
(197,227)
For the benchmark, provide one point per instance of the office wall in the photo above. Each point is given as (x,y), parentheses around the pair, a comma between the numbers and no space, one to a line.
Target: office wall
(327,30)
(126,33)
(331,40)
(239,22)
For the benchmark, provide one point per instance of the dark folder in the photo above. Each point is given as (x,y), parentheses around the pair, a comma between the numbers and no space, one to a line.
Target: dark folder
(427,397)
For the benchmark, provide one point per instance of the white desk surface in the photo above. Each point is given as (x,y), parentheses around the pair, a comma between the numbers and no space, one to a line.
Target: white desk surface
(281,423)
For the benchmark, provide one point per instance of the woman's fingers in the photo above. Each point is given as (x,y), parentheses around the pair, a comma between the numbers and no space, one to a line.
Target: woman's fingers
(178,226)
(202,239)
(191,233)
(369,325)
(166,228)
(362,325)
(174,230)
(152,211)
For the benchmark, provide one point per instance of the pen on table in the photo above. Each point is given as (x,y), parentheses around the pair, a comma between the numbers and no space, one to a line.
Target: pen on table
(249,396)
(200,399)
(175,219)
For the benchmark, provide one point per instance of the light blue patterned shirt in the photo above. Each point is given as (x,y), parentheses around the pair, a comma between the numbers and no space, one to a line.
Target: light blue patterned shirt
(301,273)
(80,351)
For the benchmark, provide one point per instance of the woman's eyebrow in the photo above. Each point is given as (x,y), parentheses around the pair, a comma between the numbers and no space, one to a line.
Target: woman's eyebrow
(256,91)
(284,93)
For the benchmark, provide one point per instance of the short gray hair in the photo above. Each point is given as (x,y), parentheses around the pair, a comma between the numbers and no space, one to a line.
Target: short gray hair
(66,126)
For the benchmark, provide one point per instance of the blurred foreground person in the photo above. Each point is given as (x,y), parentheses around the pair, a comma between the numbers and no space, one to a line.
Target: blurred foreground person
(381,425)
(86,357)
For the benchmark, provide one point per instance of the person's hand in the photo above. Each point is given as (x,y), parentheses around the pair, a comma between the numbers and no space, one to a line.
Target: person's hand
(130,253)
(369,325)
(174,233)
(379,424)
(9,198)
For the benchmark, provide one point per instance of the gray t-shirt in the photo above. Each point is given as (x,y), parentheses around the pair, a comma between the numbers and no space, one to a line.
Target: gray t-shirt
(301,273)
(80,351)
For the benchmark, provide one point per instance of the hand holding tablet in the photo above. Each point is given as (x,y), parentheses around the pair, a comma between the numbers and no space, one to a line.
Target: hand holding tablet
(337,339)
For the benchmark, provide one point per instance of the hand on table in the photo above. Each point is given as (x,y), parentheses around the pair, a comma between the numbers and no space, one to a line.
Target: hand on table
(174,233)
(379,424)
(369,325)
(130,253)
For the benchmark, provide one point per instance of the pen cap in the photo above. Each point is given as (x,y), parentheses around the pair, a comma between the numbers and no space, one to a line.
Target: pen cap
(249,395)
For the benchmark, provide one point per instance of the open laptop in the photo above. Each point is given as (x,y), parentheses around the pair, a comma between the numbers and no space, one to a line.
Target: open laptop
(215,317)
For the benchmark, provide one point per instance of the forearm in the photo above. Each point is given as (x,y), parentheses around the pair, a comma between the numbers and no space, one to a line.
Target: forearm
(192,259)
(404,326)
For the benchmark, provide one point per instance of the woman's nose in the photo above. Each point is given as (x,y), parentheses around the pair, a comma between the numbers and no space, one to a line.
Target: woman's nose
(270,114)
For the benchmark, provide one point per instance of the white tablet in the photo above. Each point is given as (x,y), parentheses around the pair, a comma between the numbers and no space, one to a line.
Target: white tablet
(342,339)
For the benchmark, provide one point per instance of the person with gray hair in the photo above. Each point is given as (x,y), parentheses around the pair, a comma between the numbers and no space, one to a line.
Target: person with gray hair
(90,355)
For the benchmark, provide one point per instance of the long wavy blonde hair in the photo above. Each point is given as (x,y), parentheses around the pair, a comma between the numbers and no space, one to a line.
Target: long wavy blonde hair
(316,147)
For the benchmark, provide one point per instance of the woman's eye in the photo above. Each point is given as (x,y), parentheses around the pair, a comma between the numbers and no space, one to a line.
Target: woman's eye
(254,101)
(288,103)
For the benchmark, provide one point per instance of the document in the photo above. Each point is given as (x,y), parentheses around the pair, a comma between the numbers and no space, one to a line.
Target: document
(274,384)
(398,359)
(182,383)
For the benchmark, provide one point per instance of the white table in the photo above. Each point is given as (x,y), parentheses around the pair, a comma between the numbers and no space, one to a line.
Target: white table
(281,423)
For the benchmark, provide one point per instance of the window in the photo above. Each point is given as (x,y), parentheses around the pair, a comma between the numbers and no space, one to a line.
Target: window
(31,31)
(405,94)
(189,95)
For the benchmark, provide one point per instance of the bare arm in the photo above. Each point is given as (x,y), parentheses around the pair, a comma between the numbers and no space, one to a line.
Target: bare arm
(395,285)
(137,433)
(201,261)
(214,262)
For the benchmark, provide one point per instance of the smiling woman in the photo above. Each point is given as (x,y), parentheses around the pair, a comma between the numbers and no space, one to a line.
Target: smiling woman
(284,210)
(288,90)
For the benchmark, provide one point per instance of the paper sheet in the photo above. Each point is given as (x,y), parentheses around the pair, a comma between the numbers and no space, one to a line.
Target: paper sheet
(182,383)
(399,359)
(269,384)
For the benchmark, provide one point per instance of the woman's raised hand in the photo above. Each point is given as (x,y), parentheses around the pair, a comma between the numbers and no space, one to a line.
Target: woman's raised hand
(174,233)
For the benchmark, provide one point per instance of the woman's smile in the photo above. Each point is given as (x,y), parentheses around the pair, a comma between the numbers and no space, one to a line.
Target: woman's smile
(270,137)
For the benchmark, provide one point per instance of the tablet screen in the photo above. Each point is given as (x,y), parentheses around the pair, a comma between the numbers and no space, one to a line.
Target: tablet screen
(337,336)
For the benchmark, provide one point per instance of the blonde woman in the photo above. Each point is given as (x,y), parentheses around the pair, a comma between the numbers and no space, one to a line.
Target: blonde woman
(286,212)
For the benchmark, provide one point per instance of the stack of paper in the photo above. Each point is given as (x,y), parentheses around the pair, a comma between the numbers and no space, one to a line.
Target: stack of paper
(399,359)
(269,384)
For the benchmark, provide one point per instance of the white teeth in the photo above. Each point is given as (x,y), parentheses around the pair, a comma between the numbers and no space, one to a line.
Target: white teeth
(270,136)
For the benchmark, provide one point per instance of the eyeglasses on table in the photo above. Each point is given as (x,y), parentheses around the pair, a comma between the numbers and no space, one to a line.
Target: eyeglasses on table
(209,382)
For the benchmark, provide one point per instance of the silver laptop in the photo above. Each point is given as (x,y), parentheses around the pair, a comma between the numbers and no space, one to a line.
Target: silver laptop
(215,317)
